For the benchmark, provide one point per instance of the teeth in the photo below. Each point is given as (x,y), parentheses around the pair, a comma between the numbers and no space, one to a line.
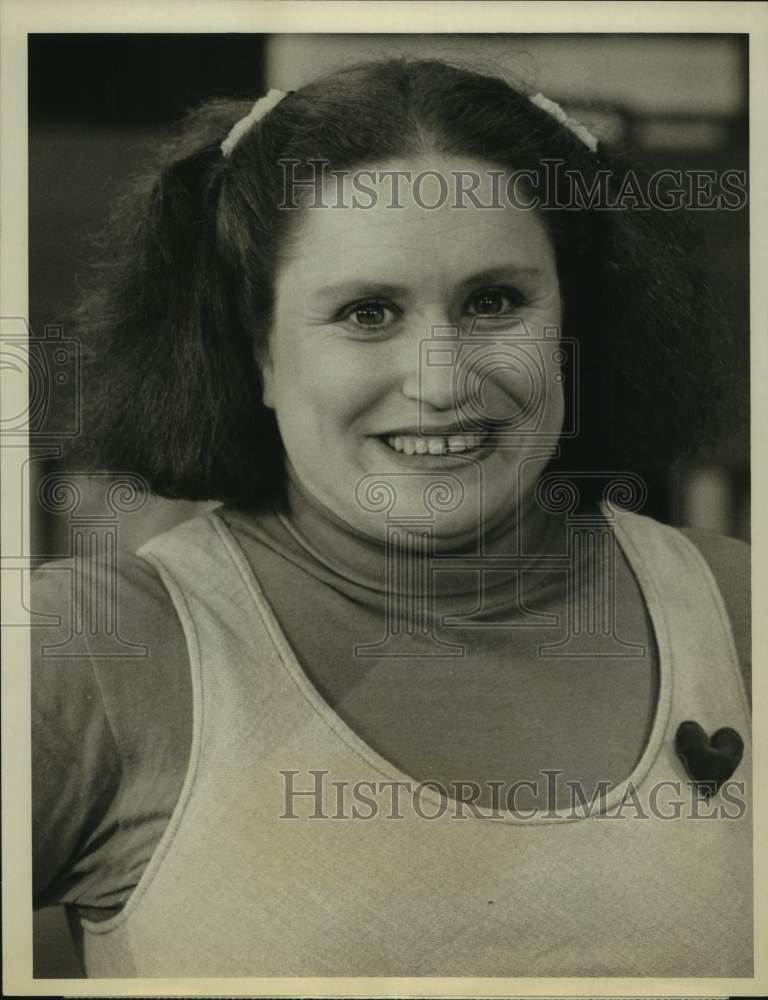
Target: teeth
(415,445)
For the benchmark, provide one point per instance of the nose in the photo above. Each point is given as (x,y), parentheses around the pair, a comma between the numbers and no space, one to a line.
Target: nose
(428,370)
(430,385)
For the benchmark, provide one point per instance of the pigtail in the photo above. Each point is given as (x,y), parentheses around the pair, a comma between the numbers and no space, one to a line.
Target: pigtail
(171,387)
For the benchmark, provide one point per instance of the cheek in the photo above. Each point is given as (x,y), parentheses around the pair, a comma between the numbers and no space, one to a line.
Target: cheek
(320,382)
(520,385)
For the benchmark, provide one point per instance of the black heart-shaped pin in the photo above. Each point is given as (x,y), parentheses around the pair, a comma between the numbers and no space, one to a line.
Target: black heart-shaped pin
(708,761)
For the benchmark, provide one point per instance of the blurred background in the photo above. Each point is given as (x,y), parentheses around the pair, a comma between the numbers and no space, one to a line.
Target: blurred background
(97,103)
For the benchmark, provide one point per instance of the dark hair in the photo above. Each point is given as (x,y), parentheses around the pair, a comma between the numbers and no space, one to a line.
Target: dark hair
(172,389)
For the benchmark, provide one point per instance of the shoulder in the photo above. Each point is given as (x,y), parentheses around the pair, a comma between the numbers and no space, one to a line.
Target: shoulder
(729,561)
(95,606)
(71,580)
(109,623)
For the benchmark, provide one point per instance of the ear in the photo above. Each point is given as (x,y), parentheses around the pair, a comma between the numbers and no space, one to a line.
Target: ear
(264,362)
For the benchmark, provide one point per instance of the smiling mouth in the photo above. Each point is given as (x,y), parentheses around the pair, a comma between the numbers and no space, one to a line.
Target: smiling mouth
(433,444)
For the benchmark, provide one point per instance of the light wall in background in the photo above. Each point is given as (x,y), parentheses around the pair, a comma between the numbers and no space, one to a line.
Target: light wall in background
(643,73)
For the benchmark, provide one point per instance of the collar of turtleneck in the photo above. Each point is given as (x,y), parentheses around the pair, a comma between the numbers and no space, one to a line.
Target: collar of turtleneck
(301,529)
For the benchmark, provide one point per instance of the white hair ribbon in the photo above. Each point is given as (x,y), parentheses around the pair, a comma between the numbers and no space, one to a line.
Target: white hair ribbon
(552,108)
(261,108)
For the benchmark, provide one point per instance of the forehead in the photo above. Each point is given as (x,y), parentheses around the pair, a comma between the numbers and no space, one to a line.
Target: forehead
(421,221)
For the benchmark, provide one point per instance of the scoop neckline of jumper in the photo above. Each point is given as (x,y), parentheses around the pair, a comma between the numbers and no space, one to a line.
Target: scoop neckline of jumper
(390,772)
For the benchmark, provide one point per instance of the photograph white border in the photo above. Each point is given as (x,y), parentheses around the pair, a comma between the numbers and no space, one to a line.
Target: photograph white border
(19,17)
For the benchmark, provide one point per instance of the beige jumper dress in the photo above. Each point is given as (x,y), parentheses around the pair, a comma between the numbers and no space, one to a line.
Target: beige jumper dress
(250,881)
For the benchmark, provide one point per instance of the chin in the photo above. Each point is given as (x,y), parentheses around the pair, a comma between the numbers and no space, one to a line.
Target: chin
(447,499)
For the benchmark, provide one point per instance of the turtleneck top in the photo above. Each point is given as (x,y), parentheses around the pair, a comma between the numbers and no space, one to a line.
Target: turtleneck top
(477,686)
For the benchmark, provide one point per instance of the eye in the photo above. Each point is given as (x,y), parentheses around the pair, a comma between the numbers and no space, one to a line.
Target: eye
(494,302)
(372,314)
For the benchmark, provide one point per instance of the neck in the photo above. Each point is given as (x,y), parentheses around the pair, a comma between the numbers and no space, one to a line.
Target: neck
(329,540)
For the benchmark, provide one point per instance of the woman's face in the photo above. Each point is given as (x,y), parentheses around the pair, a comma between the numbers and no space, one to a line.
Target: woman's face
(414,346)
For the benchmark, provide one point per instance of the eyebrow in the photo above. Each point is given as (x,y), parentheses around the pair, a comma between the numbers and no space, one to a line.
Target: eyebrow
(356,287)
(502,273)
(488,276)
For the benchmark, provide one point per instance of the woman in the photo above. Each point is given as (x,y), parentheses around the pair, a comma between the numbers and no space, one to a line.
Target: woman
(417,699)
